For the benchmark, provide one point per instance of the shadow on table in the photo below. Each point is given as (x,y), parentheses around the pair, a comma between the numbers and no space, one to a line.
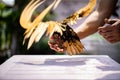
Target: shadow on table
(78,61)
(74,61)
(57,62)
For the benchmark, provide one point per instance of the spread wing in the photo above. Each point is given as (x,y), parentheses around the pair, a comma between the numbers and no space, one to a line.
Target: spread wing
(71,40)
(36,28)
(85,11)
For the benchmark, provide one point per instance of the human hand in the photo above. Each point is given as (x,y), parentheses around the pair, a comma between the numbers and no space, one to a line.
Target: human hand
(69,42)
(111,31)
(56,43)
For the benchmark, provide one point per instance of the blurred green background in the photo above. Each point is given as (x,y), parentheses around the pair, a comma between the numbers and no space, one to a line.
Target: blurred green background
(11,33)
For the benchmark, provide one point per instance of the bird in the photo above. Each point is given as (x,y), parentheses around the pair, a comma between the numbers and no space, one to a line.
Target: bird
(36,28)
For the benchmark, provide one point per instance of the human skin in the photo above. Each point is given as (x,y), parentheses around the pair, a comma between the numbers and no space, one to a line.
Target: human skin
(111,31)
(96,19)
(90,25)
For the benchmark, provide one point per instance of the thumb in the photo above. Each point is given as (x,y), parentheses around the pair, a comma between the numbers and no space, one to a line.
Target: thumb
(110,21)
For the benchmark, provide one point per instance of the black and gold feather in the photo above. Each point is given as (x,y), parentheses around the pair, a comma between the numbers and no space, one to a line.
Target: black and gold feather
(36,28)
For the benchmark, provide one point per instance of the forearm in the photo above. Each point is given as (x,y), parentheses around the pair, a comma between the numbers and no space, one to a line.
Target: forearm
(90,25)
(96,19)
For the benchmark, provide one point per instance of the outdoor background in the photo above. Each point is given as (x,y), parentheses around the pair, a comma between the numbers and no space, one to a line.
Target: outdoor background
(11,33)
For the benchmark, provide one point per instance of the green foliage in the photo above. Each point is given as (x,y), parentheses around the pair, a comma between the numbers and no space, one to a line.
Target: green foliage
(8,21)
(10,31)
(5,37)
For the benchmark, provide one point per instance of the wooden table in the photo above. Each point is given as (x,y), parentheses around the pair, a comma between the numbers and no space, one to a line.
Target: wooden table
(60,67)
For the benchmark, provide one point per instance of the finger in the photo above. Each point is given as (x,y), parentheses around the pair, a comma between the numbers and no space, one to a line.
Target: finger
(55,47)
(59,49)
(110,21)
(51,45)
(111,40)
(101,33)
(107,34)
(115,38)
(105,29)
(116,24)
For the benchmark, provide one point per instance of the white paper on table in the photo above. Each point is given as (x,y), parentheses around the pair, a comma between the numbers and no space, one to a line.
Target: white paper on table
(59,67)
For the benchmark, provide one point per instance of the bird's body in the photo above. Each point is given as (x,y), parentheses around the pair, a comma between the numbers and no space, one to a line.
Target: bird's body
(36,28)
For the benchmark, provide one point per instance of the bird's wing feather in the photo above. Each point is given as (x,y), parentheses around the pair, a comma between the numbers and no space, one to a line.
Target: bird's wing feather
(40,17)
(35,29)
(85,11)
(37,34)
(25,19)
